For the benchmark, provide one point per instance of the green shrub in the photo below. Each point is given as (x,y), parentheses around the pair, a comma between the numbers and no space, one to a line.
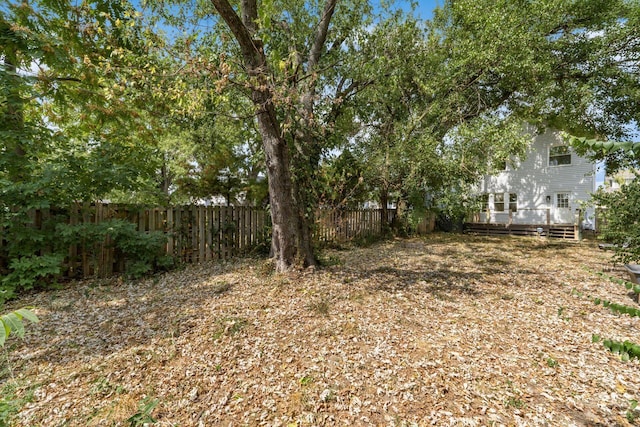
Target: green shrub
(621,219)
(26,271)
(35,257)
(143,252)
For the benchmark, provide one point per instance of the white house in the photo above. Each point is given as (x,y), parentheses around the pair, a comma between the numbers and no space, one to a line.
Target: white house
(546,187)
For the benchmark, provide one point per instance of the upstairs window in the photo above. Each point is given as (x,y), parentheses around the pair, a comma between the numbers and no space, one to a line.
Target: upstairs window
(513,202)
(498,202)
(559,155)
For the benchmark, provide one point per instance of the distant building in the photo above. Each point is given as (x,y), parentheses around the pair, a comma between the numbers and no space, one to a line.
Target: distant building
(616,181)
(547,187)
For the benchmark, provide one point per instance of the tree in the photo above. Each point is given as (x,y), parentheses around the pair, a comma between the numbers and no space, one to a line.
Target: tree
(619,210)
(75,126)
(481,71)
(343,182)
(288,50)
(621,220)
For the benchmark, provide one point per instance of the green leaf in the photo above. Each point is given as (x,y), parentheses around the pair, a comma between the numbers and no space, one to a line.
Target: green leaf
(625,357)
(28,314)
(14,322)
(4,334)
(615,347)
(595,338)
(596,301)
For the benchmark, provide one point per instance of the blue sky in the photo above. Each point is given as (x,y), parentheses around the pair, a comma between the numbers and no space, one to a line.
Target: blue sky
(424,9)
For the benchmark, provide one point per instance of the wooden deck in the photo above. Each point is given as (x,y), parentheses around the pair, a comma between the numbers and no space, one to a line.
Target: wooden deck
(556,231)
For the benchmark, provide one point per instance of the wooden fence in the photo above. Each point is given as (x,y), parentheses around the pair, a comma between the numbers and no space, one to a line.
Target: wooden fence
(339,226)
(193,233)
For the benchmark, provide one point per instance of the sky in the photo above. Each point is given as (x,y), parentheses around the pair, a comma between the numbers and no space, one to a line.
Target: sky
(425,7)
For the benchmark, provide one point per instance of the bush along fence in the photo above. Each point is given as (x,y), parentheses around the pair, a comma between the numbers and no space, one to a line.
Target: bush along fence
(40,245)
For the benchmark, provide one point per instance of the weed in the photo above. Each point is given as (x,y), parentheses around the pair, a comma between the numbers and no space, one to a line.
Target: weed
(329,260)
(229,326)
(143,416)
(632,415)
(104,388)
(11,401)
(514,402)
(306,380)
(320,307)
(562,314)
(551,362)
(221,288)
(626,350)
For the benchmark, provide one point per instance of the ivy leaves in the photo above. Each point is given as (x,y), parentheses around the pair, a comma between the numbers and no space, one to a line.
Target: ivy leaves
(616,154)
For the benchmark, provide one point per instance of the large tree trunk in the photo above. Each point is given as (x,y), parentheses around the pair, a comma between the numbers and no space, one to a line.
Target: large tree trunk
(291,246)
(285,229)
(305,166)
(308,151)
(384,203)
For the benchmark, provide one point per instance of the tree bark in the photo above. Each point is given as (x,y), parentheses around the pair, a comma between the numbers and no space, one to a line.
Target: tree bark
(307,155)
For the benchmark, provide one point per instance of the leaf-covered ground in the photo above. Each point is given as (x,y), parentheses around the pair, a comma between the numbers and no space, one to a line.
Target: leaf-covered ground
(445,330)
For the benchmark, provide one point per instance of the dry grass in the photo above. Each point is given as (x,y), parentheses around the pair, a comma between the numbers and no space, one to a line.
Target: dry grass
(447,330)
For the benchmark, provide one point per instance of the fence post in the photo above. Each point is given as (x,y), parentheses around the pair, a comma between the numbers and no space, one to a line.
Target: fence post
(169,231)
(200,237)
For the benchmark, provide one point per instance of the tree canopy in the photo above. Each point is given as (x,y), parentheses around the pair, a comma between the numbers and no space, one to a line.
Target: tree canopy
(167,101)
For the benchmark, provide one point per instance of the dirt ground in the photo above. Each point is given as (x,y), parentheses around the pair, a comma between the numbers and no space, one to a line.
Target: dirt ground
(444,330)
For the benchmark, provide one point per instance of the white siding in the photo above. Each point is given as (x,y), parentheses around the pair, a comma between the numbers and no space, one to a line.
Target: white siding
(536,184)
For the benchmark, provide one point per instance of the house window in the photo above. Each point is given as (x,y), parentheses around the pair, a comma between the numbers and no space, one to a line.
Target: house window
(559,155)
(513,202)
(498,202)
(562,200)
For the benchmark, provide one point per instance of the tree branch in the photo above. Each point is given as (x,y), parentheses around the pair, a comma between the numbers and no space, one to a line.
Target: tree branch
(250,15)
(242,34)
(321,34)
